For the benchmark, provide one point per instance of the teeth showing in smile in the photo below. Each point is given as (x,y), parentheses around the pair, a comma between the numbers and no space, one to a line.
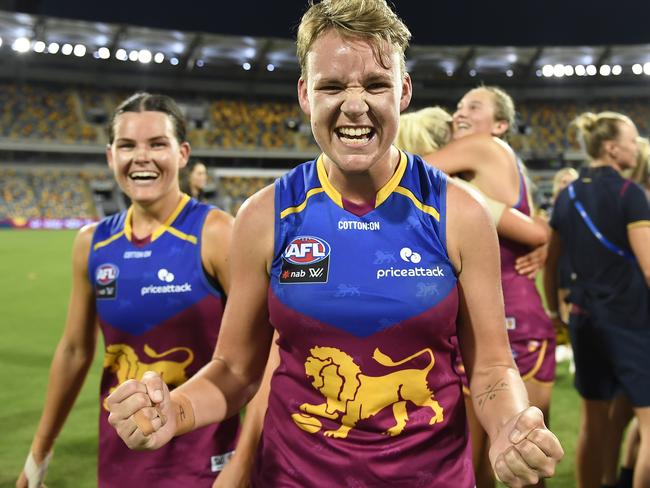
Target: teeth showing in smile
(143,175)
(354,134)
(462,125)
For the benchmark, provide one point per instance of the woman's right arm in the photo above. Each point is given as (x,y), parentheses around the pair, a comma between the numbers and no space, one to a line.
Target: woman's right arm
(516,226)
(482,154)
(224,385)
(73,355)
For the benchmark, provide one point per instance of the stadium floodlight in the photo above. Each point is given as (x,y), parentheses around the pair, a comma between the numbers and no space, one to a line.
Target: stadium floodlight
(0,41)
(568,70)
(591,70)
(158,58)
(173,61)
(580,70)
(472,73)
(558,70)
(246,66)
(121,54)
(637,69)
(79,50)
(605,70)
(450,72)
(53,48)
(66,49)
(617,70)
(39,47)
(144,56)
(133,55)
(646,68)
(270,67)
(547,70)
(104,52)
(509,73)
(21,45)
(200,63)
(539,73)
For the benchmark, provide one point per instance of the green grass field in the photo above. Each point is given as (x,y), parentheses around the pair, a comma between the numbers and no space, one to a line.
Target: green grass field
(34,285)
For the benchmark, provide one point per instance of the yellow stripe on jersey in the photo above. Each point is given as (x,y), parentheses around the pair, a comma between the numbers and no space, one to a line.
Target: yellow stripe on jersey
(128,230)
(390,187)
(425,208)
(106,242)
(383,193)
(325,182)
(638,223)
(180,235)
(166,226)
(301,207)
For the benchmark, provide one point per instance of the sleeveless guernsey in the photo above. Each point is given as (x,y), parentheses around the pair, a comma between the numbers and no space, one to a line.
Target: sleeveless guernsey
(364,299)
(157,311)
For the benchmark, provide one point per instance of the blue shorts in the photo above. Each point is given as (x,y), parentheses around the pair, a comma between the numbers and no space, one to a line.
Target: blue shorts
(610,359)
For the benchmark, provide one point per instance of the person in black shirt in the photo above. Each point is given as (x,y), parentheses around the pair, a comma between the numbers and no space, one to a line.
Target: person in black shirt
(602,220)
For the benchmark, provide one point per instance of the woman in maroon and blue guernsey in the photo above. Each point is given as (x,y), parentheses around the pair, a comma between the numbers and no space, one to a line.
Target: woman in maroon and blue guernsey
(366,261)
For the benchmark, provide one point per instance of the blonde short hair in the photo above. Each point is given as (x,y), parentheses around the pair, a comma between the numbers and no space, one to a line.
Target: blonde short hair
(372,20)
(424,131)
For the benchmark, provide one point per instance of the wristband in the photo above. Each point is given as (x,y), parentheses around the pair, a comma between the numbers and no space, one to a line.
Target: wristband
(35,473)
(553,315)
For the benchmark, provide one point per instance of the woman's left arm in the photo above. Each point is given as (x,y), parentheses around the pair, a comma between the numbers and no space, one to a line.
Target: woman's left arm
(522,448)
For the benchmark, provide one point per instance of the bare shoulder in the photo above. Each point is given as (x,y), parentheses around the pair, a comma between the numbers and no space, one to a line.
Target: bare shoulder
(468,221)
(81,249)
(258,209)
(254,228)
(83,240)
(217,222)
(489,149)
(464,204)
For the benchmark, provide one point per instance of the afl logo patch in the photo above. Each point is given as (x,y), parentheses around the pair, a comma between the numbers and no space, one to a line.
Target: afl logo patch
(305,260)
(106,280)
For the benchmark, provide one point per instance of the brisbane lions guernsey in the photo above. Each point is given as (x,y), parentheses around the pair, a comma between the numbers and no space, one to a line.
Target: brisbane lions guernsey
(158,311)
(525,315)
(365,303)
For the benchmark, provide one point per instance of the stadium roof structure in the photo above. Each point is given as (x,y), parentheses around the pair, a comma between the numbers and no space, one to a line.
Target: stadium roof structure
(35,47)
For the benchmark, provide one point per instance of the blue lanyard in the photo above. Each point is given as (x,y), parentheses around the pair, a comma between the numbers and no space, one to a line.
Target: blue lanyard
(594,230)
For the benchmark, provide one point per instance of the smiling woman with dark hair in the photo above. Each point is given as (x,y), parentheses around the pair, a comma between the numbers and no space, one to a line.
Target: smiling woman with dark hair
(153,279)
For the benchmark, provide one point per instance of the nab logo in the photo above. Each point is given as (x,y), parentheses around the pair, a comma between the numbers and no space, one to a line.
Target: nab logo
(306,250)
(305,260)
(106,281)
(106,274)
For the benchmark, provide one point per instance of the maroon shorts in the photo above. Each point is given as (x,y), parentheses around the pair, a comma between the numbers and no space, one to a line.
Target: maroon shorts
(535,359)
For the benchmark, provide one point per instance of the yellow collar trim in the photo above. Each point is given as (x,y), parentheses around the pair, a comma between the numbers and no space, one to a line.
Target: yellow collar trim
(390,187)
(325,182)
(382,194)
(165,227)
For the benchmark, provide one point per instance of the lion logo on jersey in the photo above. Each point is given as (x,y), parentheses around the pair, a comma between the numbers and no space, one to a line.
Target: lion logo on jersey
(356,396)
(125,363)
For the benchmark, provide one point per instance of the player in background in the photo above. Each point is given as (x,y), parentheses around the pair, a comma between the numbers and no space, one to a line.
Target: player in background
(153,280)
